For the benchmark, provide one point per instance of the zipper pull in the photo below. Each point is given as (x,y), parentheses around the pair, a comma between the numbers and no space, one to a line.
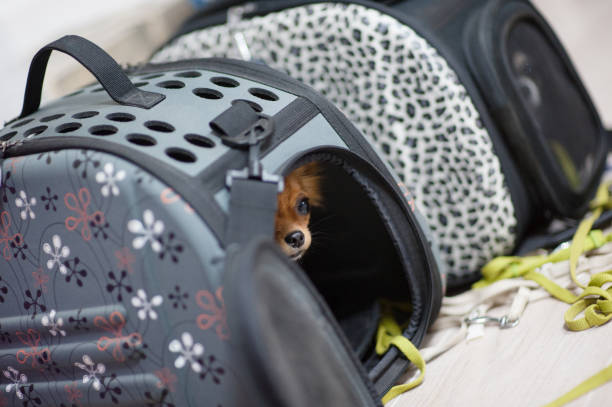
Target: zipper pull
(5,145)
(234,17)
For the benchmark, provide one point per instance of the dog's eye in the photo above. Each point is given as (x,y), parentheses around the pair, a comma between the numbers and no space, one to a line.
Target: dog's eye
(303,207)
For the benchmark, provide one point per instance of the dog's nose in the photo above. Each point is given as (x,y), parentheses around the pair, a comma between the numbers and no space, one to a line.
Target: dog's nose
(295,239)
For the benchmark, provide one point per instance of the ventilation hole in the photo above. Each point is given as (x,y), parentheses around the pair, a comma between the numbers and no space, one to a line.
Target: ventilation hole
(254,105)
(181,155)
(8,136)
(141,139)
(120,117)
(103,130)
(159,126)
(207,93)
(100,89)
(84,115)
(139,84)
(157,75)
(263,94)
(225,82)
(21,123)
(188,74)
(171,84)
(68,127)
(199,141)
(34,131)
(52,117)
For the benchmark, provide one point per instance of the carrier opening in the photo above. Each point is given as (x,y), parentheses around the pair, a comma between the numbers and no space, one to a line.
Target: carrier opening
(356,260)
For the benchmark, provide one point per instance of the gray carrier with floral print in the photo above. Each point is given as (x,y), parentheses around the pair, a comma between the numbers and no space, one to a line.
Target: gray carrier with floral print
(474,104)
(137,262)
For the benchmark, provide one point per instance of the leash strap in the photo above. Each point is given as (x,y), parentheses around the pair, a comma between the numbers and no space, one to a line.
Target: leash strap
(586,386)
(389,334)
(594,302)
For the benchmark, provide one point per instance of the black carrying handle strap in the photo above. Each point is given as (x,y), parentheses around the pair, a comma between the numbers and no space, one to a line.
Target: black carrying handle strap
(98,62)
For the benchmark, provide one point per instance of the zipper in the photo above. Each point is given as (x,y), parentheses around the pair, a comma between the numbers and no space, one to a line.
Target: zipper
(5,145)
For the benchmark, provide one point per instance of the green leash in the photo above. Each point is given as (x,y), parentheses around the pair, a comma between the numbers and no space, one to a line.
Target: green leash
(594,301)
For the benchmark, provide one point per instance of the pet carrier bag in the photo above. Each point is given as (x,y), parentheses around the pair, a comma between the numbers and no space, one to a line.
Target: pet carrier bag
(138,263)
(473,104)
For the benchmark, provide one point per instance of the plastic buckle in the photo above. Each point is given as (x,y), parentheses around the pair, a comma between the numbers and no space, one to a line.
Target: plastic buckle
(252,138)
(255,134)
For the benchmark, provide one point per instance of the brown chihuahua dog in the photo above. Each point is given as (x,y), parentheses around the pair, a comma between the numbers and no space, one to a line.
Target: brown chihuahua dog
(302,192)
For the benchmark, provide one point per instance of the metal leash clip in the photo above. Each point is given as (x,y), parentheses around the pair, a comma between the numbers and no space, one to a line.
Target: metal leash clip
(503,322)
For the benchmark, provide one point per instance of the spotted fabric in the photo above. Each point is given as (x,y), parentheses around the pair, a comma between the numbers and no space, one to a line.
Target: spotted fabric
(401,93)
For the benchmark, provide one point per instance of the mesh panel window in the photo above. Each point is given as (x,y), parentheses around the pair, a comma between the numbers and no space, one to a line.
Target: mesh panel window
(557,107)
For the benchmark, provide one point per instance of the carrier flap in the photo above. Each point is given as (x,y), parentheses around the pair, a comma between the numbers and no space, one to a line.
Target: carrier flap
(285,337)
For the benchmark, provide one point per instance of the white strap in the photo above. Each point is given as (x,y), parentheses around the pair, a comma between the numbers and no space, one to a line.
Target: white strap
(514,294)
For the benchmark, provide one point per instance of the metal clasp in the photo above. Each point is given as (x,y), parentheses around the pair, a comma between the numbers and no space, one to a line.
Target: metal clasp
(503,322)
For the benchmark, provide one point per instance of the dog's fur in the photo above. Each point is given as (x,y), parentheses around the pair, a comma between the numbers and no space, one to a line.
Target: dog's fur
(302,184)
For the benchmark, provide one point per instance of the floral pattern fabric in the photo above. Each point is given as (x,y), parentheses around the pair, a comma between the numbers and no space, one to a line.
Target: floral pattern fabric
(107,285)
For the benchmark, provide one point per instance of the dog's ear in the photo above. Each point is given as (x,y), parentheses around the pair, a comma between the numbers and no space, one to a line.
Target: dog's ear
(310,179)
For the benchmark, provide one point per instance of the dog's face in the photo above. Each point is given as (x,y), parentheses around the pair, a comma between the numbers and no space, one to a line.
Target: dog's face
(302,192)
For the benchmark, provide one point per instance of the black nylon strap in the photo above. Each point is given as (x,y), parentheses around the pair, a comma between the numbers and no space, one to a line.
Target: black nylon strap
(252,208)
(98,62)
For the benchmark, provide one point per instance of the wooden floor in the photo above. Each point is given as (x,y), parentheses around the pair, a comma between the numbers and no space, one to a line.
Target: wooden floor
(529,365)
